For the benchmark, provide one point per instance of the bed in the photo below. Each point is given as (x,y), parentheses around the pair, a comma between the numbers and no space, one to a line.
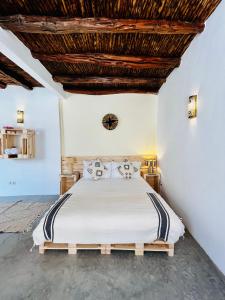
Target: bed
(109,214)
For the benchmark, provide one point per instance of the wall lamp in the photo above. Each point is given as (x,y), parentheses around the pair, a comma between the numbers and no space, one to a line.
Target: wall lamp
(20,116)
(192,106)
(151,163)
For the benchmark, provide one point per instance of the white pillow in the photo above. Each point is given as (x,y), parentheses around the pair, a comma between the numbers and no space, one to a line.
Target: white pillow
(90,164)
(135,171)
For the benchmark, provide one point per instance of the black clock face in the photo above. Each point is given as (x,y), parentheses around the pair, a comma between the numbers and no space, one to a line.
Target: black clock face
(110,121)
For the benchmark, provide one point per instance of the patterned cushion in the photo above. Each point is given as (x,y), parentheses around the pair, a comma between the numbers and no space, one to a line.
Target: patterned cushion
(118,170)
(127,169)
(97,169)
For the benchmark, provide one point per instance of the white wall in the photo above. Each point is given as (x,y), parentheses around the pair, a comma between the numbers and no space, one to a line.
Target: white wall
(39,176)
(192,152)
(83,133)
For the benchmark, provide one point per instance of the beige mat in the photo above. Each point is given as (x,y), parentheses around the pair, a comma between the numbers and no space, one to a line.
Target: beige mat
(21,216)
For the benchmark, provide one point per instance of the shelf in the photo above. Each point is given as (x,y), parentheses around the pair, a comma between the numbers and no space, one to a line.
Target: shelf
(19,156)
(21,139)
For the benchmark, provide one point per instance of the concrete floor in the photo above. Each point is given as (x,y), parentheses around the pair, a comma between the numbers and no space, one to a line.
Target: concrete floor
(188,275)
(35,198)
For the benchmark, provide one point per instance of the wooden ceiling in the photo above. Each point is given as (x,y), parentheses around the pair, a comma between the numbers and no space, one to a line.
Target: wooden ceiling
(10,73)
(107,46)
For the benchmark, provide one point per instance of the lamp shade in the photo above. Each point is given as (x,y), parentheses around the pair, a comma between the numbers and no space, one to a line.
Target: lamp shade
(20,116)
(151,163)
(192,107)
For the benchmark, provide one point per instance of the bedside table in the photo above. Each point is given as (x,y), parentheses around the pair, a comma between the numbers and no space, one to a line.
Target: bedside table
(67,181)
(153,180)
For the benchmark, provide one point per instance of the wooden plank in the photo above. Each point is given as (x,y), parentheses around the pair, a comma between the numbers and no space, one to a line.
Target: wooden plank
(88,246)
(2,85)
(111,60)
(63,25)
(111,91)
(15,77)
(72,249)
(71,79)
(126,247)
(55,246)
(156,247)
(41,249)
(139,249)
(107,249)
(171,250)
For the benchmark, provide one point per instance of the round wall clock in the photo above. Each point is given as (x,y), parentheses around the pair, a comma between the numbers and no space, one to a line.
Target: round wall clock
(110,121)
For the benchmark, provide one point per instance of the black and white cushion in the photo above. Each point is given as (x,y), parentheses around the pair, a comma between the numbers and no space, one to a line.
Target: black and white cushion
(97,169)
(126,169)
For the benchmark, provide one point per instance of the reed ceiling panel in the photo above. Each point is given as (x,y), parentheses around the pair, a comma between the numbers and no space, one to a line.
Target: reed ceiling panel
(183,10)
(135,44)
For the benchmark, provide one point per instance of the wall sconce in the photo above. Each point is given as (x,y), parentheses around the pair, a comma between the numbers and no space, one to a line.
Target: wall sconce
(20,116)
(192,106)
(151,163)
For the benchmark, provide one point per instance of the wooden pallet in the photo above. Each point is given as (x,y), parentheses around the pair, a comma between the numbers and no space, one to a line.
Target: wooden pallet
(73,164)
(139,248)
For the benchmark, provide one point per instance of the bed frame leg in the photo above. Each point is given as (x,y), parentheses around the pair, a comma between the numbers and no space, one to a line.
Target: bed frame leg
(139,249)
(171,250)
(72,249)
(41,249)
(102,248)
(106,249)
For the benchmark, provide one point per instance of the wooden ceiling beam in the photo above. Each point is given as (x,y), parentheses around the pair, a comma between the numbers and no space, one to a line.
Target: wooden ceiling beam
(18,53)
(4,59)
(15,77)
(62,25)
(71,79)
(110,91)
(2,85)
(111,60)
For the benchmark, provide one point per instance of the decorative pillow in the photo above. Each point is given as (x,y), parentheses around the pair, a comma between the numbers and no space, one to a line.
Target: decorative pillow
(95,169)
(126,169)
(86,164)
(137,169)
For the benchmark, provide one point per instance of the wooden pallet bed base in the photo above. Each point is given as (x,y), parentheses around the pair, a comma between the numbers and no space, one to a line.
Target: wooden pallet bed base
(139,248)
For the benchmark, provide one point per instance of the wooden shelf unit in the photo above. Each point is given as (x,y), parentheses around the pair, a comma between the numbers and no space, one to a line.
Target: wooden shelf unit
(22,139)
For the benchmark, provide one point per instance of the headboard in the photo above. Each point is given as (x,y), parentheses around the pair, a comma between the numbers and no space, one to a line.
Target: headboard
(73,164)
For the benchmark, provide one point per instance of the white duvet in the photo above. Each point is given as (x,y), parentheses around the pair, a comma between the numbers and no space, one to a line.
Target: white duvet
(109,211)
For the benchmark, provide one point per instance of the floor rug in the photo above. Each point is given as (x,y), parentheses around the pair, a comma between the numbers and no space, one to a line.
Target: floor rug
(21,216)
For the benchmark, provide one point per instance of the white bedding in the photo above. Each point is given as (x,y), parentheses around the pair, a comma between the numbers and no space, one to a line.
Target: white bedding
(109,211)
